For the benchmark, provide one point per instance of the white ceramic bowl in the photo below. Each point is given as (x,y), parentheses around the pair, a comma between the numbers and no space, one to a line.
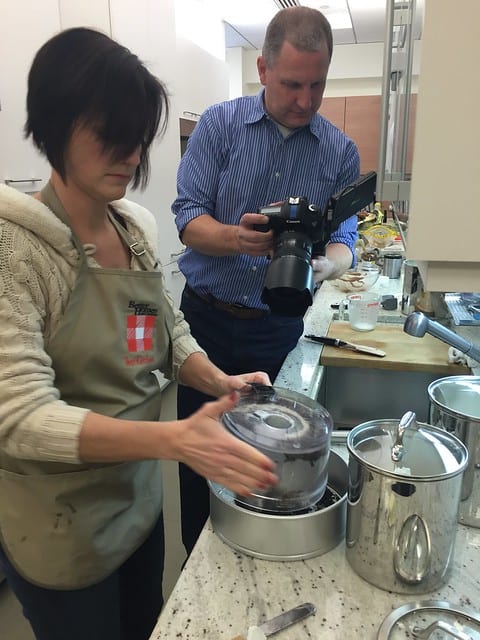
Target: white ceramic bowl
(358,279)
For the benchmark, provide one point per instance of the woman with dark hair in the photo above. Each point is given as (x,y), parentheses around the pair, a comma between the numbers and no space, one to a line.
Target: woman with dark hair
(85,319)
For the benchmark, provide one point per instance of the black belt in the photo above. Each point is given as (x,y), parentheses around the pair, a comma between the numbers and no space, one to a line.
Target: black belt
(235,310)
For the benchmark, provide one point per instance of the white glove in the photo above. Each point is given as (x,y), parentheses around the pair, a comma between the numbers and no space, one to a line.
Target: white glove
(458,357)
(322,268)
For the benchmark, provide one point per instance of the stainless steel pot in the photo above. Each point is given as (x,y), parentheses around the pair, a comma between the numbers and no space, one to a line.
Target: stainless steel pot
(455,406)
(294,431)
(403,496)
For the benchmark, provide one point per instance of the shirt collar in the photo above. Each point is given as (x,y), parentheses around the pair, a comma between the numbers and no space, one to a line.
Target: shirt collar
(258,112)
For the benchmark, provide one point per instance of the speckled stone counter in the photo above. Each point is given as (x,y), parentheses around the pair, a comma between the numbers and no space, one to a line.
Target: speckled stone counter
(221,592)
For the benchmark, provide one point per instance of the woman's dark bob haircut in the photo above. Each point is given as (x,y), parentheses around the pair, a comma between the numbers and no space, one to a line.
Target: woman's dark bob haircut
(83,77)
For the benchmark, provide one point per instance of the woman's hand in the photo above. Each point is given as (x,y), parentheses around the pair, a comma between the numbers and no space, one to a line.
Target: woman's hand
(199,372)
(242,381)
(207,447)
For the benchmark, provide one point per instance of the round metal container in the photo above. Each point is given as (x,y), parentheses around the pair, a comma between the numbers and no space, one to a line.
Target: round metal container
(403,498)
(455,407)
(283,537)
(292,430)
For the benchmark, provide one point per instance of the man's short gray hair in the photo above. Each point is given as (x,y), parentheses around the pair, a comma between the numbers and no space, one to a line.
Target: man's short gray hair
(304,28)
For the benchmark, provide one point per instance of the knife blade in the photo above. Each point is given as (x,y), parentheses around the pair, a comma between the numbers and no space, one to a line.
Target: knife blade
(284,620)
(336,342)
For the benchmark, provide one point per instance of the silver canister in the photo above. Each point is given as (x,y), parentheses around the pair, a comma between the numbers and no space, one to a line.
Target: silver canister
(455,406)
(412,287)
(404,491)
(392,265)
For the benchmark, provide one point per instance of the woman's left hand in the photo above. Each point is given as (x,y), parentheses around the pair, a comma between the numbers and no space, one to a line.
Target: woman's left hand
(241,382)
(200,373)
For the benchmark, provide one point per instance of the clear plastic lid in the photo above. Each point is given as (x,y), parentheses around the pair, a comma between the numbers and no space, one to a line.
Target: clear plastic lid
(279,420)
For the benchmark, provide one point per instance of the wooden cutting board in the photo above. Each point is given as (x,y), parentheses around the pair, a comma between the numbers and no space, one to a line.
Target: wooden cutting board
(403,352)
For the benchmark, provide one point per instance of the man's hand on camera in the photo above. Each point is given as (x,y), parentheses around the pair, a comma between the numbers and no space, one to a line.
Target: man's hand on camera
(251,241)
(323,269)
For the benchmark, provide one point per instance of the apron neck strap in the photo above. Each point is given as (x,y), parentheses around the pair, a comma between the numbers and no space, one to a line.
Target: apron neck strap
(50,198)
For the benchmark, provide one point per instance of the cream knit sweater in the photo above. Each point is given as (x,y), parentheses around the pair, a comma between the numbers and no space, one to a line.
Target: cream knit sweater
(38,266)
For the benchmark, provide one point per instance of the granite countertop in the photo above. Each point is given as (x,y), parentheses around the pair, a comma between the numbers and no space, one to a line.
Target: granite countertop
(220,592)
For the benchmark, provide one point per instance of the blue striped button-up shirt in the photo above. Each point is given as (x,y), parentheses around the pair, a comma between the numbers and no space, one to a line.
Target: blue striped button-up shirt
(238,161)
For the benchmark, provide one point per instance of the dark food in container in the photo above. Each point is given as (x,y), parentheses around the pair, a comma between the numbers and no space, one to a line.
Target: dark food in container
(294,431)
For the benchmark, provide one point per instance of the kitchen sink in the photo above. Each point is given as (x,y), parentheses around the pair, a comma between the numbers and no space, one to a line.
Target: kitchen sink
(355,394)
(352,395)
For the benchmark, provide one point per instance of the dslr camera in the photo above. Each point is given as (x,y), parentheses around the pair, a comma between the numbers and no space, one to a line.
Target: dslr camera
(301,230)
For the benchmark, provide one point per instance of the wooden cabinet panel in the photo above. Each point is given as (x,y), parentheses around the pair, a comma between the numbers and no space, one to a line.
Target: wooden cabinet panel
(362,125)
(333,109)
(186,127)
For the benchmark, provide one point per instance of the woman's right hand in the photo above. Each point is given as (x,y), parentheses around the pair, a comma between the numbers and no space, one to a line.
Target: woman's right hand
(207,447)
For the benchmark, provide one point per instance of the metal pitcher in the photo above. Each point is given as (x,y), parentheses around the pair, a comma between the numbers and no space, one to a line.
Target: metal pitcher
(412,286)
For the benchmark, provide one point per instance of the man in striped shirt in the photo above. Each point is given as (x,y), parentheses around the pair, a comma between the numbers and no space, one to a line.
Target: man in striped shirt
(243,155)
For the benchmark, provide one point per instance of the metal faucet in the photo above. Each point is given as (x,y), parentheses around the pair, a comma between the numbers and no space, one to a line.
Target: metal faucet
(417,324)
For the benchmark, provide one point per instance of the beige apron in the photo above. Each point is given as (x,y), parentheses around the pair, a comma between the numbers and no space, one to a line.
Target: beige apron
(68,526)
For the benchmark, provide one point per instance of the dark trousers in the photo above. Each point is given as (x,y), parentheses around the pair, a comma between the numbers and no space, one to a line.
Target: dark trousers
(124,606)
(235,346)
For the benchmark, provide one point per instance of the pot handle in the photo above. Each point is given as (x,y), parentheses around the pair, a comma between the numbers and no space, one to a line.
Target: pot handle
(424,634)
(406,421)
(413,550)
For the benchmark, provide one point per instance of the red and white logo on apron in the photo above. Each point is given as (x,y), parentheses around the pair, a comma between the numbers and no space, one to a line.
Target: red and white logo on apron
(140,333)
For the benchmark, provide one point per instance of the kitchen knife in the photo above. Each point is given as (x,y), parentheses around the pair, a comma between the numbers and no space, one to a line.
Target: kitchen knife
(336,342)
(283,620)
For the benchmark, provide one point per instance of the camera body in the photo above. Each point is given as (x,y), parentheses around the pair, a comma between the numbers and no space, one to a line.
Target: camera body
(295,214)
(301,230)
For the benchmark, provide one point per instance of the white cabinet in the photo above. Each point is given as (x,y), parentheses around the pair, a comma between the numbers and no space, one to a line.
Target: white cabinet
(444,218)
(147,27)
(25,26)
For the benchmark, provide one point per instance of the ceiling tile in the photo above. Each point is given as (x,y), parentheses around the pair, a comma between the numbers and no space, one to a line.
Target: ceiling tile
(246,20)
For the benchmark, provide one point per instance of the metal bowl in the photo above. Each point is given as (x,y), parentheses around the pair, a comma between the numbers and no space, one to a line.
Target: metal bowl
(282,537)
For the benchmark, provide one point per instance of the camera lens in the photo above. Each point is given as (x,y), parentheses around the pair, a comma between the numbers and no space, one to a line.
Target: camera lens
(289,285)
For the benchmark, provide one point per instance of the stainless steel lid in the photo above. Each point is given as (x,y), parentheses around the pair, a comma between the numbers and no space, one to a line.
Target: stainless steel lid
(427,618)
(457,395)
(407,448)
(280,420)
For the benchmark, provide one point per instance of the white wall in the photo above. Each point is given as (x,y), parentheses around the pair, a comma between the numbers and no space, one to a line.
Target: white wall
(201,79)
(151,36)
(201,69)
(356,69)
